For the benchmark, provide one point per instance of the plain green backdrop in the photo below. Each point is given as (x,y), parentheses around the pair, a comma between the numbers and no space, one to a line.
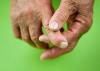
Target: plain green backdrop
(16,55)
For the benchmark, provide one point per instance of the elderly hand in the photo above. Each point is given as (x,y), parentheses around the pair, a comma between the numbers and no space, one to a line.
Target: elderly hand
(78,14)
(27,17)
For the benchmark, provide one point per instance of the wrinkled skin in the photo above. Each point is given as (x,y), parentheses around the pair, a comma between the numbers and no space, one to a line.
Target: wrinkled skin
(78,14)
(28,16)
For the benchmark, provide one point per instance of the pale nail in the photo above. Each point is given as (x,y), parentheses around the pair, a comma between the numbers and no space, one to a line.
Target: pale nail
(64,44)
(41,38)
(53,25)
(44,38)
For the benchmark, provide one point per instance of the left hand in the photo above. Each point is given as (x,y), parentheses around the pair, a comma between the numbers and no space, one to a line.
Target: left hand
(27,17)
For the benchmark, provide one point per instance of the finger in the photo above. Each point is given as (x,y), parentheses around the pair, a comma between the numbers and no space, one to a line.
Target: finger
(44,38)
(83,20)
(56,52)
(58,39)
(35,32)
(25,33)
(46,16)
(16,31)
(65,9)
(47,12)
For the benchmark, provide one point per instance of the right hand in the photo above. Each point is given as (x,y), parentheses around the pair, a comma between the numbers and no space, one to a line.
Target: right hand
(78,14)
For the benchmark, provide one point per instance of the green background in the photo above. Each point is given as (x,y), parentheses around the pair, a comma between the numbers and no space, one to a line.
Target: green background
(16,55)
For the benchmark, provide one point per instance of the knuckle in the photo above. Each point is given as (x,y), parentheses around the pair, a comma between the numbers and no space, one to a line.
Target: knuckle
(26,11)
(85,21)
(88,23)
(34,35)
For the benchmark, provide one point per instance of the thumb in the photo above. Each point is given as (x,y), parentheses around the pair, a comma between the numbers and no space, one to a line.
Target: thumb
(61,15)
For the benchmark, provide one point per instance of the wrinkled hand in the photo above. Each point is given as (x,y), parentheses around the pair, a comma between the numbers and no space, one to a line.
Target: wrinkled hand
(78,14)
(27,17)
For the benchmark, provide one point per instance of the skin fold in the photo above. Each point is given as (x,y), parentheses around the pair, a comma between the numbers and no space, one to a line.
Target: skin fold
(28,16)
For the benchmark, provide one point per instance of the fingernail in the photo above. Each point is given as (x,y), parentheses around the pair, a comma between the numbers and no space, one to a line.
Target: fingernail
(44,38)
(53,26)
(41,38)
(44,56)
(64,44)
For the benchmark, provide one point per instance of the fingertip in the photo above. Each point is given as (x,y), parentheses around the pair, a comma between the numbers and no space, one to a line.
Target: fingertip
(54,26)
(41,38)
(44,56)
(64,45)
(44,38)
